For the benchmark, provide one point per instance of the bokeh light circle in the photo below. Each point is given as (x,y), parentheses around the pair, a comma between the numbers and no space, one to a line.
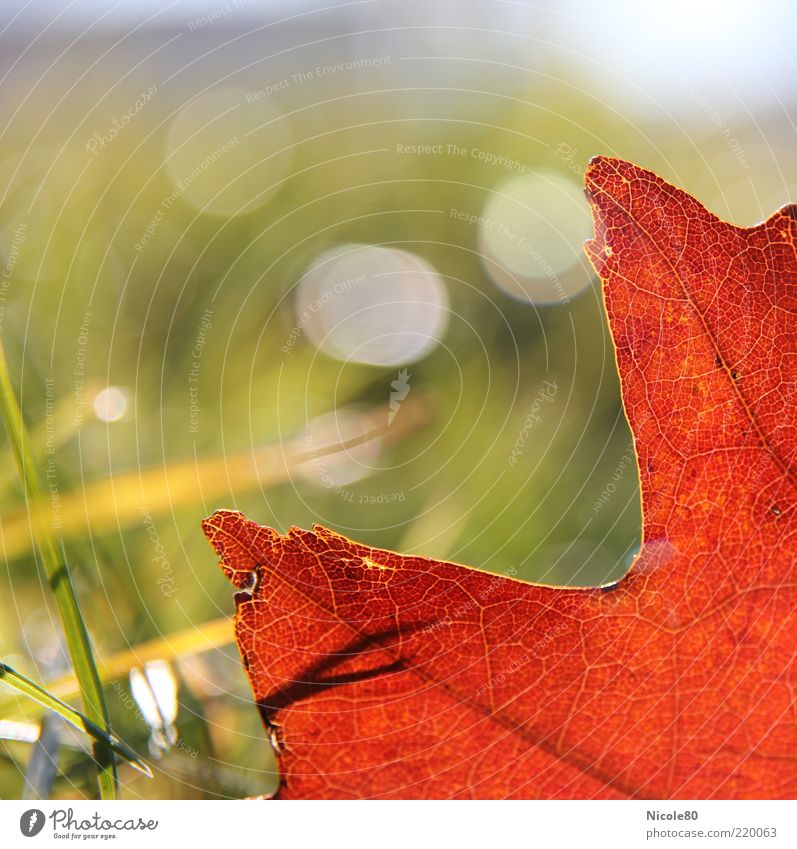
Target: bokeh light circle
(371,304)
(328,468)
(531,234)
(110,404)
(227,151)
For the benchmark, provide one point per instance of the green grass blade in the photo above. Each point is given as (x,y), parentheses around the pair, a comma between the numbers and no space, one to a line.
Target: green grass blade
(77,638)
(73,717)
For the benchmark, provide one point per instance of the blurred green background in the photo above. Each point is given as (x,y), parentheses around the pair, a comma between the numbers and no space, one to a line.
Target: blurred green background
(237,236)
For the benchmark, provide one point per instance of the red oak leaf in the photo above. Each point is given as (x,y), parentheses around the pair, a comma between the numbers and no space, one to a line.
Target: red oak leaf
(380,675)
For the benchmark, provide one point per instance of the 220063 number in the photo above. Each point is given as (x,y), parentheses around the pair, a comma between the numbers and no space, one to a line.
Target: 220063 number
(755,832)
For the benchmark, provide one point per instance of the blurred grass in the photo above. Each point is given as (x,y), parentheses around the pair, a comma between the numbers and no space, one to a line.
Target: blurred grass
(74,626)
(48,701)
(118,502)
(82,298)
(195,640)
